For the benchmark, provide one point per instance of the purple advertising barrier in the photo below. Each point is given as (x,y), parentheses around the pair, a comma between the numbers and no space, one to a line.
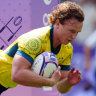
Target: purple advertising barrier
(16,18)
(40,11)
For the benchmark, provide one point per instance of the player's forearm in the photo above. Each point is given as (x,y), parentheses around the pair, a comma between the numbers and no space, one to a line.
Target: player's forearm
(63,86)
(28,78)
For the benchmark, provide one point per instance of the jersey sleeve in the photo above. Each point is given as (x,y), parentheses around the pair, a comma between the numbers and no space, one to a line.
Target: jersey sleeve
(29,48)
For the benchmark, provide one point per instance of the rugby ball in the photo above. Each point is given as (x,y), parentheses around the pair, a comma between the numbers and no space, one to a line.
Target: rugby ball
(45,64)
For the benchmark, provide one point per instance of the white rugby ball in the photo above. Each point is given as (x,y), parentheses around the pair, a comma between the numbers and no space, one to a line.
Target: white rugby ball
(45,64)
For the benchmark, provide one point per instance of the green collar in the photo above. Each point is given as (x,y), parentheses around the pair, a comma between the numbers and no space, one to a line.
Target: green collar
(55,51)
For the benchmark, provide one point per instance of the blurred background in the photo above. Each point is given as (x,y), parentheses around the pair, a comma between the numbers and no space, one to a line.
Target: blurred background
(20,16)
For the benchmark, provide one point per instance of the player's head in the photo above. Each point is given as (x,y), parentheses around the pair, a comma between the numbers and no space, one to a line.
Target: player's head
(65,11)
(67,20)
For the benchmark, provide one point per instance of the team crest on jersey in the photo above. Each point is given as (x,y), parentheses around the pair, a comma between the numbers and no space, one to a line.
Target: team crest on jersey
(33,46)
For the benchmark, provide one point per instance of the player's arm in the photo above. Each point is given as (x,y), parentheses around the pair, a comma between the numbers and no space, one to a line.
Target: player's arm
(22,74)
(68,79)
(63,85)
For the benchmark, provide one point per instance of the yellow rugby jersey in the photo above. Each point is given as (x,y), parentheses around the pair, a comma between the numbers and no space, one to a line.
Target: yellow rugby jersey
(30,45)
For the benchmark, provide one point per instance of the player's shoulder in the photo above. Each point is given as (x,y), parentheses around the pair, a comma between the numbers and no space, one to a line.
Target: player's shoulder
(70,45)
(34,35)
(69,48)
(31,41)
(35,32)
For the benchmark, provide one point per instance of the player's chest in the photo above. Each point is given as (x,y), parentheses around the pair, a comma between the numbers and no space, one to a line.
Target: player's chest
(62,54)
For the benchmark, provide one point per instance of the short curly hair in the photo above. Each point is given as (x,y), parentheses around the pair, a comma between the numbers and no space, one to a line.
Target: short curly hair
(65,11)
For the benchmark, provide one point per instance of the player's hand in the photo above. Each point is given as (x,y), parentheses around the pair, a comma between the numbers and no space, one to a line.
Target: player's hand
(56,75)
(74,77)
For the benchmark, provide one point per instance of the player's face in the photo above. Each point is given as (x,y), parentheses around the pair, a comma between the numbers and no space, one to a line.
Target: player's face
(69,30)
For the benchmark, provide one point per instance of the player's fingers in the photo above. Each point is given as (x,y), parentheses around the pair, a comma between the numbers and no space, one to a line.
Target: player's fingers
(58,71)
(79,78)
(59,68)
(72,70)
(78,72)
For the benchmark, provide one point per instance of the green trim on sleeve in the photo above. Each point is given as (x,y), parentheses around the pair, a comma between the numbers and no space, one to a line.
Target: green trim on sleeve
(65,67)
(26,56)
(11,52)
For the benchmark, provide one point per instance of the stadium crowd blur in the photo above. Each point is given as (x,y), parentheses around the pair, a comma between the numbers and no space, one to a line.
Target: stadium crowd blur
(84,56)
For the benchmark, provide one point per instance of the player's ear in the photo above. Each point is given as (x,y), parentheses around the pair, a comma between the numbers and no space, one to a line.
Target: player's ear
(57,22)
